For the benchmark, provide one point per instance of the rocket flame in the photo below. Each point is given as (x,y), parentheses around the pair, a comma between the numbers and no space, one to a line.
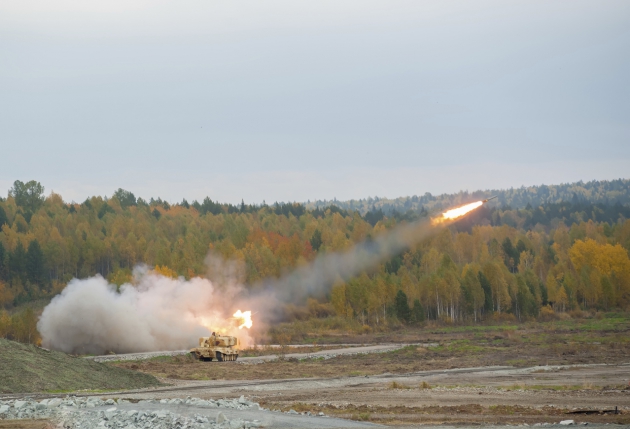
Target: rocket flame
(455,213)
(245,317)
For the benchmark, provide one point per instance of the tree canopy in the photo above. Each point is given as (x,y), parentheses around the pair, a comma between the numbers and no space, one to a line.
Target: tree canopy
(512,260)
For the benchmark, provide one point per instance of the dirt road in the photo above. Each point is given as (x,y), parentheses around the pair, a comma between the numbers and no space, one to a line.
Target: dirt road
(348,350)
(485,395)
(485,386)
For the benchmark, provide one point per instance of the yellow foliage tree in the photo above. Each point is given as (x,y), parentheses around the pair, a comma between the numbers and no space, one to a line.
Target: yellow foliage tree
(5,324)
(6,295)
(165,271)
(610,261)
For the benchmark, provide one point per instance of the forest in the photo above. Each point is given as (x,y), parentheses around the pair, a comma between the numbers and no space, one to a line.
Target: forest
(528,256)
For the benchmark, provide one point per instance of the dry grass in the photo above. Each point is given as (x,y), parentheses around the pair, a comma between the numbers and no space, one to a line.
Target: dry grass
(468,350)
(25,424)
(460,414)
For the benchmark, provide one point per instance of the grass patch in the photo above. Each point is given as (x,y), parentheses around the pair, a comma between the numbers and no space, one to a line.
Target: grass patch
(26,368)
(395,385)
(364,417)
(534,343)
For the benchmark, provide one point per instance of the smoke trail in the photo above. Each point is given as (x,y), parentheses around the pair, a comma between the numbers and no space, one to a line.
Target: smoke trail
(156,313)
(317,278)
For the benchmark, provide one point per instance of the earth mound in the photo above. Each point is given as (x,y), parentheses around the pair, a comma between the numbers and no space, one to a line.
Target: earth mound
(28,369)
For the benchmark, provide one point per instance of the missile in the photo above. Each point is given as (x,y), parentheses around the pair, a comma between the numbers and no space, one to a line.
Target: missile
(488,199)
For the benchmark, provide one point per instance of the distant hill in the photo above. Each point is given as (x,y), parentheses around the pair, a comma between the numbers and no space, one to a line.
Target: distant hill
(28,369)
(595,192)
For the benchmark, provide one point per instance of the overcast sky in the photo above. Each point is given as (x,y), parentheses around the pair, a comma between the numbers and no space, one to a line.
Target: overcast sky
(297,100)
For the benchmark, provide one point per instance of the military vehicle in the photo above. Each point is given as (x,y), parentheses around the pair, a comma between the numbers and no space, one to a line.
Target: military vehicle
(219,347)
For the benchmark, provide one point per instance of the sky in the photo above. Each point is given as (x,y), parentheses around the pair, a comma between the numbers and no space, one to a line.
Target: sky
(295,101)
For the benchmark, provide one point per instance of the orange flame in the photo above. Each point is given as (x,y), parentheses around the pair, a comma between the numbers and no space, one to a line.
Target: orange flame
(245,317)
(455,213)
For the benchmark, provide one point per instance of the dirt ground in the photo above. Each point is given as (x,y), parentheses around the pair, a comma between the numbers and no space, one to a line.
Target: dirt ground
(487,395)
(514,348)
(540,373)
(25,424)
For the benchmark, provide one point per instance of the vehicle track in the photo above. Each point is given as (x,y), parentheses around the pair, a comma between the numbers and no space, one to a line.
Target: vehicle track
(221,385)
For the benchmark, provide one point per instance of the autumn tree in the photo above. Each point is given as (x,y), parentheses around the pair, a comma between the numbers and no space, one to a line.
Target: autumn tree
(5,324)
(474,295)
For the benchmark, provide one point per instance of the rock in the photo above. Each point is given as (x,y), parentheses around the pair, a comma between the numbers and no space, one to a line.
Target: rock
(19,404)
(567,422)
(54,403)
(243,401)
(132,413)
(40,406)
(221,418)
(320,414)
(292,411)
(111,409)
(163,401)
(236,423)
(109,402)
(110,415)
(4,409)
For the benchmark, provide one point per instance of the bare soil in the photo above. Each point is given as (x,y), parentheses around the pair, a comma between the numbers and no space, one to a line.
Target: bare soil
(25,424)
(583,376)
(509,348)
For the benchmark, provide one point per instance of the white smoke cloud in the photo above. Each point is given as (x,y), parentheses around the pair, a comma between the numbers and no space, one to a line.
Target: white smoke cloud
(155,313)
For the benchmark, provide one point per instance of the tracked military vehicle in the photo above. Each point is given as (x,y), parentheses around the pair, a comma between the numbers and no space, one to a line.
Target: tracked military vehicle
(219,347)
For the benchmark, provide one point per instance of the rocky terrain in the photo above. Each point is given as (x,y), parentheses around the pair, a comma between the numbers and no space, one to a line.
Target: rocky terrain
(73,412)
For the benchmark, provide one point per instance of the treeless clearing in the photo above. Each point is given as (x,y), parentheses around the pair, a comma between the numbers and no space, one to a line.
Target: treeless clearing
(518,347)
(339,387)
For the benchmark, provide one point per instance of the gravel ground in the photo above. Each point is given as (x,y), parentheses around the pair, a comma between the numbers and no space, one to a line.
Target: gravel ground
(193,413)
(170,407)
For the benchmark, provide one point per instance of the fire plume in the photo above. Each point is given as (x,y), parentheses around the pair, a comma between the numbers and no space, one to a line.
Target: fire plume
(245,317)
(457,212)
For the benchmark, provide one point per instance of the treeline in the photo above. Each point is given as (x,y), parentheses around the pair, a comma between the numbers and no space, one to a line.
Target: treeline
(499,260)
(21,326)
(606,193)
